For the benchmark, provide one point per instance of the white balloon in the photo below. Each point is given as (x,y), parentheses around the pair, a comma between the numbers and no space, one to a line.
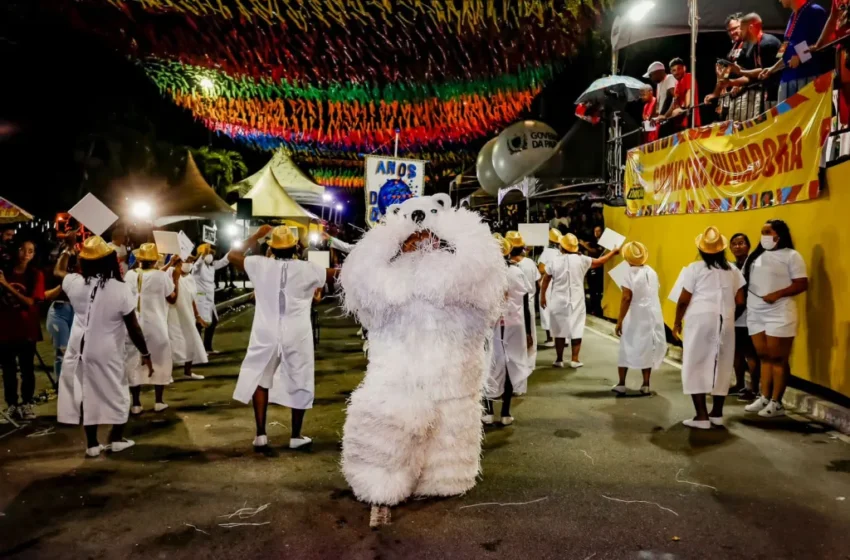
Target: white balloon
(521,148)
(487,177)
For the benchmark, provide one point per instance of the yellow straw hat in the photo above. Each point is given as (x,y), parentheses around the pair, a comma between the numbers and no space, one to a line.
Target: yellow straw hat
(95,248)
(554,236)
(635,253)
(282,238)
(711,242)
(569,243)
(204,249)
(515,239)
(147,252)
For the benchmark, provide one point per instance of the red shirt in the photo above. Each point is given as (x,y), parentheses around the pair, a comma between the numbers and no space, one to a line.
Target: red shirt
(19,323)
(680,93)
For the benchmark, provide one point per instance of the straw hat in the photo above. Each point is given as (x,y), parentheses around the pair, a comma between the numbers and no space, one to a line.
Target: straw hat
(95,248)
(147,252)
(554,236)
(282,238)
(569,243)
(711,242)
(204,249)
(515,239)
(635,253)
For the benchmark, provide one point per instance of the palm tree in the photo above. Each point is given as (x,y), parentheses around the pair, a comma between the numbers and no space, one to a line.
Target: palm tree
(221,168)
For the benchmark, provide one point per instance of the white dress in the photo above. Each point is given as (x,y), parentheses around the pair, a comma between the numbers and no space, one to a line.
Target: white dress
(94,380)
(770,272)
(643,344)
(708,352)
(567,307)
(150,288)
(532,275)
(204,275)
(546,258)
(186,343)
(510,350)
(280,352)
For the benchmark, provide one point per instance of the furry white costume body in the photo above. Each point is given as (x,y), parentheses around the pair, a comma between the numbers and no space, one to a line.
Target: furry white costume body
(413,426)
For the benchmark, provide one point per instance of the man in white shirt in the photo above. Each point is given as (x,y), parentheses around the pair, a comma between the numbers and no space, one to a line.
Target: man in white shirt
(664,89)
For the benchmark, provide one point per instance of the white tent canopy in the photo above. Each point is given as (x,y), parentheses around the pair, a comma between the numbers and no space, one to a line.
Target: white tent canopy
(272,201)
(299,187)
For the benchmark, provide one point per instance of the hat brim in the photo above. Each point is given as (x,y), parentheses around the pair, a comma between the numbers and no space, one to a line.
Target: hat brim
(283,245)
(637,262)
(646,75)
(95,255)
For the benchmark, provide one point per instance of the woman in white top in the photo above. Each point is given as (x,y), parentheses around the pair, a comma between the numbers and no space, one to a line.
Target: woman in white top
(187,348)
(93,385)
(204,273)
(776,273)
(153,290)
(643,343)
(546,257)
(711,289)
(532,275)
(512,342)
(568,308)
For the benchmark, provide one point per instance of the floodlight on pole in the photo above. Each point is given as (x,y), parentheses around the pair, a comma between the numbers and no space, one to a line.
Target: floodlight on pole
(142,210)
(338,207)
(639,9)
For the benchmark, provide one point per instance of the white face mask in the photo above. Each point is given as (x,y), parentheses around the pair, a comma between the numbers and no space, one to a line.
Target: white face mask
(208,259)
(186,268)
(768,242)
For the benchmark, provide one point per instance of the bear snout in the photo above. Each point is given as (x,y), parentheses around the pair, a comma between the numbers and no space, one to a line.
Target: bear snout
(418,216)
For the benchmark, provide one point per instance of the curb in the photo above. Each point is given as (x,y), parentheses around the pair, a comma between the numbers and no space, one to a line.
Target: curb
(238,300)
(814,407)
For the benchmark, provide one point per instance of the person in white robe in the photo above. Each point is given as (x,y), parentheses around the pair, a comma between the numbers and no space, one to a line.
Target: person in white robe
(511,343)
(568,310)
(643,342)
(533,276)
(711,290)
(153,291)
(279,364)
(204,274)
(546,258)
(93,386)
(187,348)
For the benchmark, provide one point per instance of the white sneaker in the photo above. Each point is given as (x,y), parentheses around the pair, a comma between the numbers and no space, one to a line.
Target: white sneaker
(716,420)
(194,377)
(576,365)
(11,412)
(160,406)
(119,446)
(136,410)
(698,424)
(94,451)
(772,410)
(213,352)
(550,344)
(487,419)
(619,389)
(645,390)
(27,412)
(298,443)
(558,365)
(757,405)
(507,420)
(261,441)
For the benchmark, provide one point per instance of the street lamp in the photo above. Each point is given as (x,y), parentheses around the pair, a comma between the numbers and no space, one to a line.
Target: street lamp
(639,9)
(142,210)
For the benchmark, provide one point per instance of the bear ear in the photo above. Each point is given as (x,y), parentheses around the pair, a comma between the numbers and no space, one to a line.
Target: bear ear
(443,200)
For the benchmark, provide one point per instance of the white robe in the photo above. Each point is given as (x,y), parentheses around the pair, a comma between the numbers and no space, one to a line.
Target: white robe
(546,258)
(567,306)
(150,288)
(94,380)
(280,352)
(708,349)
(204,275)
(643,344)
(510,350)
(532,275)
(186,343)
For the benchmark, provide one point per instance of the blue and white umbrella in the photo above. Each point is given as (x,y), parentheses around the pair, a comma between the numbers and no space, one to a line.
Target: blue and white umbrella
(621,88)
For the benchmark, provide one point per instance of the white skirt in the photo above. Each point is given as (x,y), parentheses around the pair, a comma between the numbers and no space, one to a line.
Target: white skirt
(567,320)
(708,355)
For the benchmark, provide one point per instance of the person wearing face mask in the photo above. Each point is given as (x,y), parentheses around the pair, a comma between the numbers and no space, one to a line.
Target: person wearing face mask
(187,348)
(745,352)
(775,273)
(204,274)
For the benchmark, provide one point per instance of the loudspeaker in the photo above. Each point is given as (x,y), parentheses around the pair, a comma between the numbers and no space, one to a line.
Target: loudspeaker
(244,209)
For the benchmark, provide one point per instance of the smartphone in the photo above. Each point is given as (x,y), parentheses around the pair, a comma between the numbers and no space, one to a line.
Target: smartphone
(723,62)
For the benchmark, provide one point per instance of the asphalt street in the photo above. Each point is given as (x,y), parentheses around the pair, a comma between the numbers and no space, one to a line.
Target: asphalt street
(580,475)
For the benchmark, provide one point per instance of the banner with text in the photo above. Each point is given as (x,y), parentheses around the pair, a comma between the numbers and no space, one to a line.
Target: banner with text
(769,160)
(391,181)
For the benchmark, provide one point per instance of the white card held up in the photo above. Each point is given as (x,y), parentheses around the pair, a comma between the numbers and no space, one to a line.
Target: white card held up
(167,242)
(93,214)
(677,287)
(611,239)
(803,52)
(321,258)
(619,272)
(208,235)
(186,245)
(535,235)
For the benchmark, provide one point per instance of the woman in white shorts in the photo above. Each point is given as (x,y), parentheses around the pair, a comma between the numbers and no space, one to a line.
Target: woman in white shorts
(775,273)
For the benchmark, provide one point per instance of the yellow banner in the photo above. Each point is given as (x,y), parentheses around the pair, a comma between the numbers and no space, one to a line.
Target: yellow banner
(769,160)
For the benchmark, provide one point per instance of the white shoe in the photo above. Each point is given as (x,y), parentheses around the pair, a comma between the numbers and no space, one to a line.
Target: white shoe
(136,410)
(772,410)
(94,451)
(261,441)
(645,390)
(11,412)
(193,377)
(160,406)
(716,420)
(550,344)
(366,347)
(487,419)
(576,365)
(619,389)
(757,405)
(360,334)
(27,411)
(507,420)
(213,352)
(698,424)
(119,446)
(558,365)
(298,443)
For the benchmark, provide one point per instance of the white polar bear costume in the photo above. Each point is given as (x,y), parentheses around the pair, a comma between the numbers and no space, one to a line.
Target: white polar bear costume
(413,426)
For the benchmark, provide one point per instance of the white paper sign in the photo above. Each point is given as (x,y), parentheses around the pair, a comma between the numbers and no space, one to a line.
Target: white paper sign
(535,235)
(677,287)
(803,52)
(611,239)
(186,245)
(93,214)
(619,272)
(321,258)
(391,181)
(167,242)
(649,126)
(208,235)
